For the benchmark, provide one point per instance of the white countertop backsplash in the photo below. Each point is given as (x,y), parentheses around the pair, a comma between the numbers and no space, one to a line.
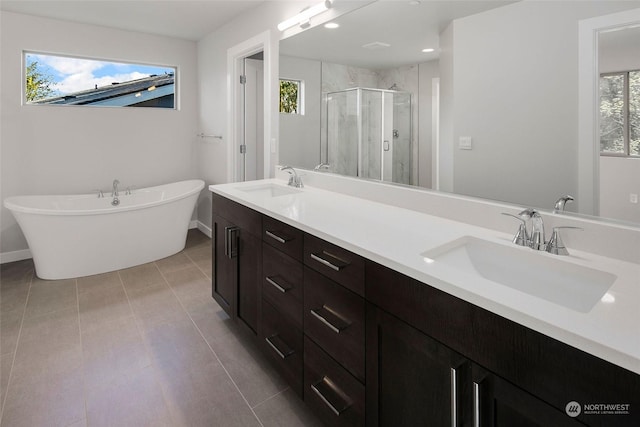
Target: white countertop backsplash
(393,225)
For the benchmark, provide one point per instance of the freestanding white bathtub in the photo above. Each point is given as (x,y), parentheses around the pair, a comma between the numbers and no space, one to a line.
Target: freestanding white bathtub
(82,235)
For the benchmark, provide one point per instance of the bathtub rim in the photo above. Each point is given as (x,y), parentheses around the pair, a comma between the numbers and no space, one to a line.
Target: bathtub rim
(10,202)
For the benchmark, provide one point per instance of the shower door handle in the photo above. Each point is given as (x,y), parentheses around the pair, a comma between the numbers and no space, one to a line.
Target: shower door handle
(385,145)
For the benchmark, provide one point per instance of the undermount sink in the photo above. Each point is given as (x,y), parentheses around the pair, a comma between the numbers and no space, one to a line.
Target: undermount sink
(270,190)
(539,274)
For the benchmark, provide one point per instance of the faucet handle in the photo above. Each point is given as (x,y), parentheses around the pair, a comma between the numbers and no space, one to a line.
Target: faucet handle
(100,193)
(129,189)
(522,237)
(555,245)
(529,213)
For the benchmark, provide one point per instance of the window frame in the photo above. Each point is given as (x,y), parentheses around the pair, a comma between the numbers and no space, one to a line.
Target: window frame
(25,102)
(300,97)
(626,131)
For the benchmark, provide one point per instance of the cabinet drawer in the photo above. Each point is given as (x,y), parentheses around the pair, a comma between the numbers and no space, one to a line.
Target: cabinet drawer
(242,216)
(334,318)
(282,283)
(282,236)
(333,394)
(283,344)
(334,262)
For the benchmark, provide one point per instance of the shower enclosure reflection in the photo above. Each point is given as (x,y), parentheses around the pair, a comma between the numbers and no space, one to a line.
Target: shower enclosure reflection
(369,134)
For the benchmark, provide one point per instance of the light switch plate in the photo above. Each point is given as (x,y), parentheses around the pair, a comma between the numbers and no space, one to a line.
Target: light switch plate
(465,143)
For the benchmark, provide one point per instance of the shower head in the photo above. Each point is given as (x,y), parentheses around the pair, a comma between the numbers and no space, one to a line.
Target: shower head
(394,87)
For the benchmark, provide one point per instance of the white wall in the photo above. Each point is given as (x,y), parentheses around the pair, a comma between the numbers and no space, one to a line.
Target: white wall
(619,178)
(66,150)
(516,92)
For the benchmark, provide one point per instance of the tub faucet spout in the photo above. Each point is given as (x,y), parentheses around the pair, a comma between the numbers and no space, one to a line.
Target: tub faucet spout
(114,193)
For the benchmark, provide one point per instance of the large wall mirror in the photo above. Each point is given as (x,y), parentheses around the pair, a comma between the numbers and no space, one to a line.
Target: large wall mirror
(479,98)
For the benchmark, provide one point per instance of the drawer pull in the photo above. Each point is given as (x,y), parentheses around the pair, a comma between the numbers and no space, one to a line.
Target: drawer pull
(333,397)
(276,285)
(231,241)
(276,343)
(333,320)
(476,404)
(454,397)
(276,237)
(335,264)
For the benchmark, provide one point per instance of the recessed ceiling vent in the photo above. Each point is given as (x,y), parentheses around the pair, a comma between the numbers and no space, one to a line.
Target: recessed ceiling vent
(376,45)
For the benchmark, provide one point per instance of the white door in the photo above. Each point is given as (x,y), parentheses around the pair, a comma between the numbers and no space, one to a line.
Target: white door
(251,159)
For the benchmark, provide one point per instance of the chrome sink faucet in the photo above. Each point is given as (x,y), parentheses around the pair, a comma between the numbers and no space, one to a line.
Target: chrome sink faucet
(114,193)
(294,179)
(561,202)
(536,235)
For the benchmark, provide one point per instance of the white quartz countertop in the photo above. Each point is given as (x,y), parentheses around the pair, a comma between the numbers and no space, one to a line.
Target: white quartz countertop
(396,238)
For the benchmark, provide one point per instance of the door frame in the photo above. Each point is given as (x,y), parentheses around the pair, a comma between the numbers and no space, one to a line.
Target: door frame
(262,42)
(588,101)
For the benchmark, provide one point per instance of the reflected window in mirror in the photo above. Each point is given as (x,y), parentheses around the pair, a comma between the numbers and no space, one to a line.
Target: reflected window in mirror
(291,96)
(65,80)
(620,113)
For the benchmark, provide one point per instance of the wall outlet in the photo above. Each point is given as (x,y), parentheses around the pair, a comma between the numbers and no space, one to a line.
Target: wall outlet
(465,143)
(633,198)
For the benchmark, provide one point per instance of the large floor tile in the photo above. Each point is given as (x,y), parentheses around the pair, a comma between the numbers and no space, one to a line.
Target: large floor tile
(54,401)
(47,296)
(191,287)
(156,305)
(113,352)
(201,256)
(10,323)
(285,410)
(99,282)
(102,305)
(16,273)
(205,397)
(135,400)
(141,276)
(249,368)
(175,262)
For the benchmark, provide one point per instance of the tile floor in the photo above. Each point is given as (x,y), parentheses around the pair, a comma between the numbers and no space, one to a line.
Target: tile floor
(145,346)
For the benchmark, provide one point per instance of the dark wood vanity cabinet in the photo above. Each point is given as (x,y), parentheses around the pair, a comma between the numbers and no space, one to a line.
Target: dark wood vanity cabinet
(334,329)
(506,374)
(365,345)
(237,260)
(282,280)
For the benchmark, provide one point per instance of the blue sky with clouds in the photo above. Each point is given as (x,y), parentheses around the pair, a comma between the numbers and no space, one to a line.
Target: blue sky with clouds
(76,74)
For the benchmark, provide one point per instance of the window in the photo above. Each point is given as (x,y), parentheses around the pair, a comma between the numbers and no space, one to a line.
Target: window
(620,113)
(291,96)
(62,80)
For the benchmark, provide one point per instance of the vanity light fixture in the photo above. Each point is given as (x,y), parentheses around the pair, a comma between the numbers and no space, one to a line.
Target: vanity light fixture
(151,88)
(428,50)
(331,25)
(305,15)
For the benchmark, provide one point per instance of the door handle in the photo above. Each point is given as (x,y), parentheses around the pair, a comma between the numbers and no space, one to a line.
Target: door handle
(231,241)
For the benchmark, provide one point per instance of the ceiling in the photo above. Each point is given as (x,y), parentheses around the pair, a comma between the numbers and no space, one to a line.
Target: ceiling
(185,19)
(406,27)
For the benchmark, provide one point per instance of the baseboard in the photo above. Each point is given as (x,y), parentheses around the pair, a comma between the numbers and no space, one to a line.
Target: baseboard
(204,228)
(14,256)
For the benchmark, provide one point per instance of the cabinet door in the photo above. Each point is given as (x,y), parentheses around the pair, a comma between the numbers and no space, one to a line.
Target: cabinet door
(412,379)
(498,403)
(225,264)
(249,276)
